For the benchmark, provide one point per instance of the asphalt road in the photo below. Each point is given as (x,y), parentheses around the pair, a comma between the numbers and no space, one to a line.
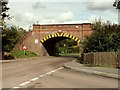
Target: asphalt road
(48,72)
(66,78)
(16,72)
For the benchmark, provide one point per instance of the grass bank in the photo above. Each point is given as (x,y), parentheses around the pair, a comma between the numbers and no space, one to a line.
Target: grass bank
(22,54)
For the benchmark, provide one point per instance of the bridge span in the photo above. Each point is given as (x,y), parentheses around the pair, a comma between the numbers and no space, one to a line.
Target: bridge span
(43,38)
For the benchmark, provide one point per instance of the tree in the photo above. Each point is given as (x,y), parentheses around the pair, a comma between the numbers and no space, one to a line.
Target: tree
(67,46)
(3,15)
(12,35)
(117,5)
(106,37)
(3,10)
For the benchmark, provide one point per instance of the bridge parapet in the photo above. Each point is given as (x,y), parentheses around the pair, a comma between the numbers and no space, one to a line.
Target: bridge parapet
(62,26)
(78,30)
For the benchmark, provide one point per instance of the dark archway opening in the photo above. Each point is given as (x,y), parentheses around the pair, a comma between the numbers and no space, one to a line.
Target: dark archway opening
(57,46)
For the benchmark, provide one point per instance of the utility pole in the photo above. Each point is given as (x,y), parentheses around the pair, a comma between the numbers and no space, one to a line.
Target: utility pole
(117,5)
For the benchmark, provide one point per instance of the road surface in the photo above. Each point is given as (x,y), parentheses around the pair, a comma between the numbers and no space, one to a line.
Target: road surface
(48,72)
(66,78)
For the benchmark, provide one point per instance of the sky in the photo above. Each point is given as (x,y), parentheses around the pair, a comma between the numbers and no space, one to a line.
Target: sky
(25,13)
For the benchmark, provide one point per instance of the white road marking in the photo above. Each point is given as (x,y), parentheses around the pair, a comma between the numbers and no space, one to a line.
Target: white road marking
(58,69)
(49,73)
(25,83)
(42,76)
(53,71)
(34,79)
(16,87)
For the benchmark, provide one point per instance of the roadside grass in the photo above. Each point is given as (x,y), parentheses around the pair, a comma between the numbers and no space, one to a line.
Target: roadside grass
(21,54)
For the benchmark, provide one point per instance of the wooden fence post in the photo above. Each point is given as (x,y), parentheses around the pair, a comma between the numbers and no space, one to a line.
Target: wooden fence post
(118,59)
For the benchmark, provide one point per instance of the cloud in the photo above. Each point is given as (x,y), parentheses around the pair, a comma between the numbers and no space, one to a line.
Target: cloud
(38,5)
(49,21)
(18,17)
(100,6)
(60,12)
(29,17)
(59,18)
(92,19)
(26,17)
(59,0)
(23,19)
(66,16)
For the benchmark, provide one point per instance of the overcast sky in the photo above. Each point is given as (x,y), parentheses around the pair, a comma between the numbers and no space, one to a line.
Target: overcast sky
(28,12)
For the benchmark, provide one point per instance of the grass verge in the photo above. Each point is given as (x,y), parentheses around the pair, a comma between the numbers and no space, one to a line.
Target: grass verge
(21,54)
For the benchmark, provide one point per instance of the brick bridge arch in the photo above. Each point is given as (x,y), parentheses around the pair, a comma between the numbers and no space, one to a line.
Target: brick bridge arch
(60,34)
(50,41)
(43,38)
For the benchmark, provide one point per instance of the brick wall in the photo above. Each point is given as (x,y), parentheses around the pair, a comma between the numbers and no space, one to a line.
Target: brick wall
(74,29)
(32,42)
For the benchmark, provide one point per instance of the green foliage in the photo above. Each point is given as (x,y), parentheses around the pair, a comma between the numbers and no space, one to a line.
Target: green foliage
(4,8)
(10,37)
(106,37)
(20,54)
(67,46)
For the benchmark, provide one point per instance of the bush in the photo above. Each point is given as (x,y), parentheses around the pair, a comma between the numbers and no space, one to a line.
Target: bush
(106,37)
(67,46)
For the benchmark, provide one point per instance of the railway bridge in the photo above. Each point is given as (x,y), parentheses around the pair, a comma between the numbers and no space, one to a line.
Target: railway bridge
(43,38)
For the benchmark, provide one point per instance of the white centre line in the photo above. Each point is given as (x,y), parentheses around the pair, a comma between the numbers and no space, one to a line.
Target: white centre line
(36,78)
(42,76)
(25,83)
(49,73)
(16,87)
